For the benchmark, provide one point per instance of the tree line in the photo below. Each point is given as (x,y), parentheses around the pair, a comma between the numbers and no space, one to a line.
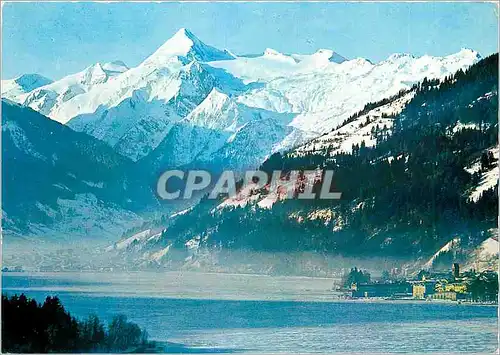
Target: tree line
(31,327)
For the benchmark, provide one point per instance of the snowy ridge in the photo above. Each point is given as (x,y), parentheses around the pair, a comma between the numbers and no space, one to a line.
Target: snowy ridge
(17,89)
(325,94)
(273,64)
(135,119)
(46,99)
(320,55)
(219,112)
(489,248)
(364,128)
(485,256)
(186,45)
(294,97)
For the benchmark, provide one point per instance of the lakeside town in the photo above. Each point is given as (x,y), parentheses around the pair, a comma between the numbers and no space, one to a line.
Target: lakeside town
(451,285)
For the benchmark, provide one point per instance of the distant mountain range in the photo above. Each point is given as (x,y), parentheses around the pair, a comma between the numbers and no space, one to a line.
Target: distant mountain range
(89,170)
(188,83)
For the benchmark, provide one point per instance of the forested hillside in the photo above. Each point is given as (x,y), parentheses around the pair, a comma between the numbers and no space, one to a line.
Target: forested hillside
(427,182)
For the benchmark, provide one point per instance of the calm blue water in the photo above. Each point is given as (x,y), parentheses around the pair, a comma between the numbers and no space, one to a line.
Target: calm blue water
(280,326)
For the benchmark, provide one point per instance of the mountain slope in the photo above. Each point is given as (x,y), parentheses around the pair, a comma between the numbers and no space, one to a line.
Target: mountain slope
(407,196)
(17,89)
(46,99)
(57,183)
(191,105)
(136,119)
(186,45)
(223,134)
(326,95)
(188,81)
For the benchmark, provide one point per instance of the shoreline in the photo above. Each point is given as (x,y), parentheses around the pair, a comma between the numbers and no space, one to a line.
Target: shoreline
(162,272)
(298,299)
(230,287)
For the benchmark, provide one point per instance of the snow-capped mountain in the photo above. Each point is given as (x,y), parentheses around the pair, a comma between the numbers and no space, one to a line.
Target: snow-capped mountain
(222,133)
(47,98)
(194,87)
(17,89)
(184,44)
(272,64)
(172,87)
(324,94)
(134,119)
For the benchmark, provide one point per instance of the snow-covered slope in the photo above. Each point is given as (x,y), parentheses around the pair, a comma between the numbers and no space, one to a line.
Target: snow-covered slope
(488,176)
(219,112)
(272,64)
(324,95)
(483,256)
(136,110)
(17,89)
(450,246)
(241,138)
(61,184)
(187,82)
(46,99)
(376,123)
(135,118)
(186,45)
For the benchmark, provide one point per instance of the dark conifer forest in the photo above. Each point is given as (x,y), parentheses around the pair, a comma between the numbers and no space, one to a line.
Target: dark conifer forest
(30,327)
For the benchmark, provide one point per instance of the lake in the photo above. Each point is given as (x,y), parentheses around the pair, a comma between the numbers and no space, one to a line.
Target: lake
(256,313)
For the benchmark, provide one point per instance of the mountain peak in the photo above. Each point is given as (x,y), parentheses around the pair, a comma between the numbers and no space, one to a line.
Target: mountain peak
(184,32)
(16,89)
(97,73)
(186,45)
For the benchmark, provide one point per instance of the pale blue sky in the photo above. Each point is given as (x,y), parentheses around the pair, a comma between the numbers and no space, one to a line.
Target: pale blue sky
(56,39)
